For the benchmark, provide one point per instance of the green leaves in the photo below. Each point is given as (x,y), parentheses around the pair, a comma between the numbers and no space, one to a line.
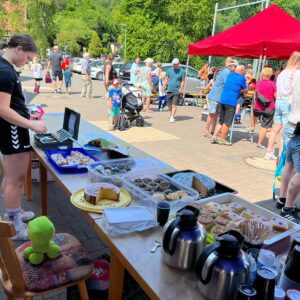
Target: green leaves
(95,46)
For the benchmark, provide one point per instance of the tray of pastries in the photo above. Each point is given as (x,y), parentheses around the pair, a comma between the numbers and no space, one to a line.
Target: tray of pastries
(230,212)
(150,187)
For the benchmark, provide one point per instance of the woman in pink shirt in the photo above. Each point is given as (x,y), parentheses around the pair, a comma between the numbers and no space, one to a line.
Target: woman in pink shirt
(267,89)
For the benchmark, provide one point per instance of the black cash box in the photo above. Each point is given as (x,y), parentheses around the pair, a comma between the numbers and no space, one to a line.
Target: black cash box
(60,138)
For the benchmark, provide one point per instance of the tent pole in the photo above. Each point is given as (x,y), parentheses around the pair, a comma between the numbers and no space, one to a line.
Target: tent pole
(214,27)
(186,71)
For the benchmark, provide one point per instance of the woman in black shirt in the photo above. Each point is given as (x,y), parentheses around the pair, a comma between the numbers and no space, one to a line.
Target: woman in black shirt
(14,124)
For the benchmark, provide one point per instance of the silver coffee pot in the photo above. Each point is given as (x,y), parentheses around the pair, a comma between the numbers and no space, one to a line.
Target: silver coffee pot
(183,239)
(222,267)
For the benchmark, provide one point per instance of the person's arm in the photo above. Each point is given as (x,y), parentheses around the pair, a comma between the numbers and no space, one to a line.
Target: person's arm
(244,89)
(13,117)
(49,64)
(182,84)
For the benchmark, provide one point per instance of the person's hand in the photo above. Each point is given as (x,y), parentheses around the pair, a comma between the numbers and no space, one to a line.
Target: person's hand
(38,127)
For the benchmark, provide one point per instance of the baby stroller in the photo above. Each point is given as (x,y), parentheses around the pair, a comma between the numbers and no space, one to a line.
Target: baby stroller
(132,104)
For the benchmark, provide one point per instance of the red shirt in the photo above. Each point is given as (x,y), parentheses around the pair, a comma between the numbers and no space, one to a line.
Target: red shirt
(267,88)
(65,62)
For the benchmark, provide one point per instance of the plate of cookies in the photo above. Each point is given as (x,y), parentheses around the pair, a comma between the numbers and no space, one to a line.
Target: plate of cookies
(230,212)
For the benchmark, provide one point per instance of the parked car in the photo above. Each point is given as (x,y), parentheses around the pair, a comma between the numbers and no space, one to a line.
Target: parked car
(97,71)
(124,72)
(76,64)
(192,83)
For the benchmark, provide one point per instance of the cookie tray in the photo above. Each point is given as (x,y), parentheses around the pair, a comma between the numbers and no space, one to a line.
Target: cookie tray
(145,198)
(227,197)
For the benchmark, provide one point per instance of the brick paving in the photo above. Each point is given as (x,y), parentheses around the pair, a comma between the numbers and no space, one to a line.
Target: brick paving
(180,144)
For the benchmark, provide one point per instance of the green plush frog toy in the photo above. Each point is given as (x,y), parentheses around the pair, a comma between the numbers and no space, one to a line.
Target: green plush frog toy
(40,231)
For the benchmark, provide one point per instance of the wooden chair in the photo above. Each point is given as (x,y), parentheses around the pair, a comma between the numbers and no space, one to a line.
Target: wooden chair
(13,275)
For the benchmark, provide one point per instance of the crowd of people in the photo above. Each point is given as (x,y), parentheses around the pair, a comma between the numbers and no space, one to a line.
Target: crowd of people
(276,100)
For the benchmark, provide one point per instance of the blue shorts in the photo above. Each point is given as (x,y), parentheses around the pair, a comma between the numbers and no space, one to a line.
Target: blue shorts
(114,112)
(293,153)
(57,73)
(213,106)
(282,111)
(68,84)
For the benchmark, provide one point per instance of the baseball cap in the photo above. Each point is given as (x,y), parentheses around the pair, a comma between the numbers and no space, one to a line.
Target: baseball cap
(115,81)
(175,61)
(233,63)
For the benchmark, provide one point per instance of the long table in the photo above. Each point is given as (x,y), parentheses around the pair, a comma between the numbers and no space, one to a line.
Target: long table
(132,251)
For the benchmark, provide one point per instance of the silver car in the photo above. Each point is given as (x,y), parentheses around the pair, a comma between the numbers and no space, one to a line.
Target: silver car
(192,83)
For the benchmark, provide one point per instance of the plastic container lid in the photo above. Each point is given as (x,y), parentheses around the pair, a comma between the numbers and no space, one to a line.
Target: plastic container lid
(266,258)
(293,295)
(279,293)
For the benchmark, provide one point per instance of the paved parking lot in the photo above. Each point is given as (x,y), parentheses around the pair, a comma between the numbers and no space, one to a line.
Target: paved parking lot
(180,144)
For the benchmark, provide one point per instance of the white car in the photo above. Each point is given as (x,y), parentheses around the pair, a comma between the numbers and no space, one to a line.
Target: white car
(97,69)
(76,66)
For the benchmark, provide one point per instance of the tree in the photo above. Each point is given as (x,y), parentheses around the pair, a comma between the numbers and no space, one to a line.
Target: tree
(95,46)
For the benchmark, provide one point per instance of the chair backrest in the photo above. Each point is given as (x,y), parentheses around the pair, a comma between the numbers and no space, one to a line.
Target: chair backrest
(9,263)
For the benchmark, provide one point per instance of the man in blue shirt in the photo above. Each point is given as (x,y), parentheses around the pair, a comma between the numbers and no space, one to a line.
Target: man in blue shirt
(86,90)
(235,85)
(176,82)
(215,95)
(134,70)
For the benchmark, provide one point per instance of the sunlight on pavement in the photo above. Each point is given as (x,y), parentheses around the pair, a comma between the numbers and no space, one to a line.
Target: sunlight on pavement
(138,134)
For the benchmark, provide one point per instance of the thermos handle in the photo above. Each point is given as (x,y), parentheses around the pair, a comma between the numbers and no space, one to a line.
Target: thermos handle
(168,235)
(201,262)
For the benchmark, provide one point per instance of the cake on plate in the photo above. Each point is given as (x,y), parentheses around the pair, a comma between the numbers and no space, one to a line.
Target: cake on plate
(98,191)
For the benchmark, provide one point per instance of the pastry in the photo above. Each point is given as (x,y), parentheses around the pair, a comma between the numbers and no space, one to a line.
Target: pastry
(157,180)
(248,214)
(172,196)
(235,207)
(153,186)
(218,229)
(181,193)
(205,220)
(96,192)
(231,216)
(163,185)
(168,191)
(212,206)
(138,180)
(147,180)
(159,196)
(221,221)
(279,224)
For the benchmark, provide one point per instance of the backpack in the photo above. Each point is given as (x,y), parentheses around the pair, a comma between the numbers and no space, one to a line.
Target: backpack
(122,122)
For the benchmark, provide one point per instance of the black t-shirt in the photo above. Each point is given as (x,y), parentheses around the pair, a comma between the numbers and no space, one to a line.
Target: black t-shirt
(112,73)
(10,83)
(56,60)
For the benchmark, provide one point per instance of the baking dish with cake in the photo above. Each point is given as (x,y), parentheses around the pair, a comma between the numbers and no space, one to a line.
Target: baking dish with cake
(149,187)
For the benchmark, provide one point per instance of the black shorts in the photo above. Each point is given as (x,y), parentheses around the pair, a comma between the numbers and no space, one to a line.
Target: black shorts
(173,98)
(38,79)
(58,74)
(13,139)
(227,113)
(266,117)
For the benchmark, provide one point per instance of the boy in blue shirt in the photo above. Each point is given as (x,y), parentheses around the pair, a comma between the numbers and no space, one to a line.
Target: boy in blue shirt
(115,102)
(67,76)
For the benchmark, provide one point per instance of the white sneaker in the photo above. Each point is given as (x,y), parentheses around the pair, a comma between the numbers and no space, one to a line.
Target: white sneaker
(172,120)
(25,216)
(270,156)
(21,234)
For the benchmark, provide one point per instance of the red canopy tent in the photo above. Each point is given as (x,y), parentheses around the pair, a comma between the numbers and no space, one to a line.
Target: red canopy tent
(272,33)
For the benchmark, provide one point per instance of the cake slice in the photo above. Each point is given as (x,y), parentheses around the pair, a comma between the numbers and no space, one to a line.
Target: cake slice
(98,191)
(279,224)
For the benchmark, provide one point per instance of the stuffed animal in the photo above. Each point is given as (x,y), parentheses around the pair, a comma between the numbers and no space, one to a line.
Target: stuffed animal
(41,231)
